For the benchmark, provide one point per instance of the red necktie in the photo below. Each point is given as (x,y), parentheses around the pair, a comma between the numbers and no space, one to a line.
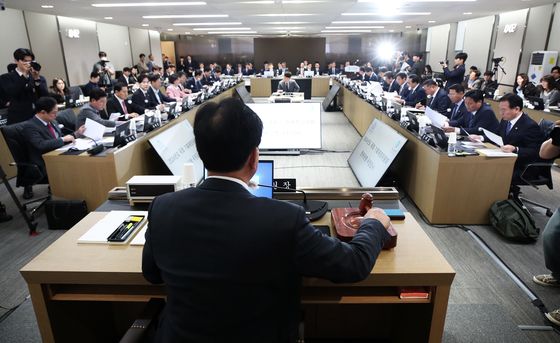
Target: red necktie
(124,107)
(51,129)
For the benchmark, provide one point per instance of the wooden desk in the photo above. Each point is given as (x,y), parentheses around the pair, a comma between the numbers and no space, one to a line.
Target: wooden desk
(263,87)
(90,178)
(92,292)
(448,190)
(534,114)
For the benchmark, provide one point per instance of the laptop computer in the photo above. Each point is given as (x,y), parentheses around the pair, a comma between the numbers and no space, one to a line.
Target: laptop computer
(263,176)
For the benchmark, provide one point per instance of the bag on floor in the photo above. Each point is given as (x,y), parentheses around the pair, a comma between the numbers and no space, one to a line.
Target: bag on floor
(63,214)
(513,221)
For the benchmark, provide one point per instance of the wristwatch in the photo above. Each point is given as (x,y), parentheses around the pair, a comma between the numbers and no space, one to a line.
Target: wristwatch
(516,150)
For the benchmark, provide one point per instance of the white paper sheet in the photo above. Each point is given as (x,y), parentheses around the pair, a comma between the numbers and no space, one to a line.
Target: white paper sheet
(495,153)
(493,137)
(140,238)
(98,233)
(94,130)
(114,116)
(436,118)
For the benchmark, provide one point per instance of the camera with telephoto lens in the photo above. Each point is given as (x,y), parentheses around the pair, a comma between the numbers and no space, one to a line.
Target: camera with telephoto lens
(443,62)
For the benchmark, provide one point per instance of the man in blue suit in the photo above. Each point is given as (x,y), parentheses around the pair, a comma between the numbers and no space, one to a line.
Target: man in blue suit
(194,83)
(233,263)
(415,94)
(403,87)
(155,96)
(479,115)
(438,101)
(458,109)
(456,75)
(390,85)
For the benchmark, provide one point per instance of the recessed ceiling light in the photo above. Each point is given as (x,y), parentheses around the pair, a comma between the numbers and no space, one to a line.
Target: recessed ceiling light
(283,15)
(208,24)
(169,29)
(431,21)
(288,2)
(467,13)
(391,30)
(286,28)
(288,31)
(368,22)
(47,6)
(353,27)
(108,18)
(145,25)
(408,27)
(423,1)
(226,32)
(346,31)
(286,22)
(150,4)
(387,14)
(221,28)
(257,2)
(171,16)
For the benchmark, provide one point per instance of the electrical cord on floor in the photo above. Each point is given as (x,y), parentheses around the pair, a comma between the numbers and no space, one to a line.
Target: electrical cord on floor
(11,310)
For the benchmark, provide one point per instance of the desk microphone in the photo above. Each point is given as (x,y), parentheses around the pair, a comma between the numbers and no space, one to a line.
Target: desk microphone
(314,209)
(96,149)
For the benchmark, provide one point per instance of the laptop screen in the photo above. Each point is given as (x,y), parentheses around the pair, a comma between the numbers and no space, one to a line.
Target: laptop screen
(263,176)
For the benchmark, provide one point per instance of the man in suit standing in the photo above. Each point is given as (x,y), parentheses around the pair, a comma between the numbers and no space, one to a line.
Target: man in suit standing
(92,110)
(155,96)
(479,115)
(438,101)
(458,73)
(92,84)
(415,93)
(118,103)
(194,83)
(22,87)
(43,135)
(418,66)
(236,274)
(458,109)
(288,85)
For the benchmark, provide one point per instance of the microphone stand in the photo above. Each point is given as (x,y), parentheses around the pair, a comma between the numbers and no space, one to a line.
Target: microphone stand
(314,209)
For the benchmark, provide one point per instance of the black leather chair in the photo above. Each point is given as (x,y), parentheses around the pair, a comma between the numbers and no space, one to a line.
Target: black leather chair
(28,220)
(68,119)
(538,173)
(143,328)
(28,174)
(75,92)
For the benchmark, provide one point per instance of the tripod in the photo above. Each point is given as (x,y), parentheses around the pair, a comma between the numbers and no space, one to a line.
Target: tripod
(495,70)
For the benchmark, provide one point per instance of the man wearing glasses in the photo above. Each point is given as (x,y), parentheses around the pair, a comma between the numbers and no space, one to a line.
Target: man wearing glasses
(23,86)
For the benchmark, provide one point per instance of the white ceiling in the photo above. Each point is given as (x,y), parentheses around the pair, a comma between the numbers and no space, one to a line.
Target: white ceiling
(313,16)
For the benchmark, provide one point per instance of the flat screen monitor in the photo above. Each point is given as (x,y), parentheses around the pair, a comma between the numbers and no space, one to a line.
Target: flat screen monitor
(330,96)
(244,95)
(176,146)
(375,152)
(289,125)
(263,176)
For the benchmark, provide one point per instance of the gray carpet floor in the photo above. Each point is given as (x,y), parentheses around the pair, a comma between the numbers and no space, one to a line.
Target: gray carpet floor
(484,305)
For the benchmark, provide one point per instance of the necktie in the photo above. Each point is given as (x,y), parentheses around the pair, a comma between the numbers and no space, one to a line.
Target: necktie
(454,112)
(508,127)
(51,129)
(124,107)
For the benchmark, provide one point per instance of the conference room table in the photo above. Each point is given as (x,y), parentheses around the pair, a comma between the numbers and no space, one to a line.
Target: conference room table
(447,190)
(89,178)
(316,86)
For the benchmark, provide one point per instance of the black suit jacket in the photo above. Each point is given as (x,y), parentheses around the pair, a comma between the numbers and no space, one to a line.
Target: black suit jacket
(415,96)
(22,93)
(194,85)
(393,87)
(114,106)
(233,271)
(40,141)
(153,101)
(454,76)
(527,137)
(456,118)
(484,118)
(441,102)
(141,101)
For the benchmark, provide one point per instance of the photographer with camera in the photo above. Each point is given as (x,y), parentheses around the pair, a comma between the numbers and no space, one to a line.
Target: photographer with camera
(105,69)
(23,86)
(551,235)
(456,75)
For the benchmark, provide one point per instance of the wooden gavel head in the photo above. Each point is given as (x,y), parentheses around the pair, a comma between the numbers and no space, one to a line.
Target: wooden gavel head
(366,203)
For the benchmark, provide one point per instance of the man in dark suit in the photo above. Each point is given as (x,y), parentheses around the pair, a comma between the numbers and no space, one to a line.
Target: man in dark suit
(415,93)
(370,75)
(479,115)
(43,135)
(391,85)
(332,70)
(92,84)
(438,101)
(118,103)
(140,96)
(403,86)
(194,83)
(418,66)
(555,72)
(287,84)
(458,73)
(22,86)
(229,70)
(233,263)
(190,64)
(125,77)
(489,85)
(458,109)
(207,77)
(155,96)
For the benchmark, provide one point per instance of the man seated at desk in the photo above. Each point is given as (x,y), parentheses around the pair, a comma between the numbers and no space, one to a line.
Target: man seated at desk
(194,83)
(287,84)
(438,101)
(155,96)
(520,134)
(479,115)
(233,263)
(91,110)
(458,109)
(415,92)
(43,135)
(118,103)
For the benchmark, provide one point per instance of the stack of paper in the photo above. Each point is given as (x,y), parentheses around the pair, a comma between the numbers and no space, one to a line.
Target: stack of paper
(99,233)
(495,153)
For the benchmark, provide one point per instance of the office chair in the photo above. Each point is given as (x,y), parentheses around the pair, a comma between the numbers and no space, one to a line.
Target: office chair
(28,220)
(537,174)
(75,92)
(68,119)
(28,174)
(143,328)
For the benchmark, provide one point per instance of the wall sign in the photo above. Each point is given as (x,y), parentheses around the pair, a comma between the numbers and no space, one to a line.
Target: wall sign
(510,28)
(73,33)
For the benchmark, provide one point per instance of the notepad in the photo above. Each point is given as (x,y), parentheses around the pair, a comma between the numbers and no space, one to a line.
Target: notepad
(495,153)
(98,233)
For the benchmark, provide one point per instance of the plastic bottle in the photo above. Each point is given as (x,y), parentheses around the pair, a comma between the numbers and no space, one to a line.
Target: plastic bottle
(132,127)
(451,144)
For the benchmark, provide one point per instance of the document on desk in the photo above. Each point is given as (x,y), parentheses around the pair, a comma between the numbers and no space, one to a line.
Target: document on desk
(114,116)
(140,238)
(437,118)
(494,138)
(94,130)
(79,144)
(495,153)
(98,233)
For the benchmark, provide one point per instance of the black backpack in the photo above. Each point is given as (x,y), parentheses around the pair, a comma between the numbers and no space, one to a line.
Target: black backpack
(513,221)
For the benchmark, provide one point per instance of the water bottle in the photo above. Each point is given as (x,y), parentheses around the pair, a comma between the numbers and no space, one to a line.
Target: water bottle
(451,144)
(421,129)
(132,127)
(158,116)
(547,104)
